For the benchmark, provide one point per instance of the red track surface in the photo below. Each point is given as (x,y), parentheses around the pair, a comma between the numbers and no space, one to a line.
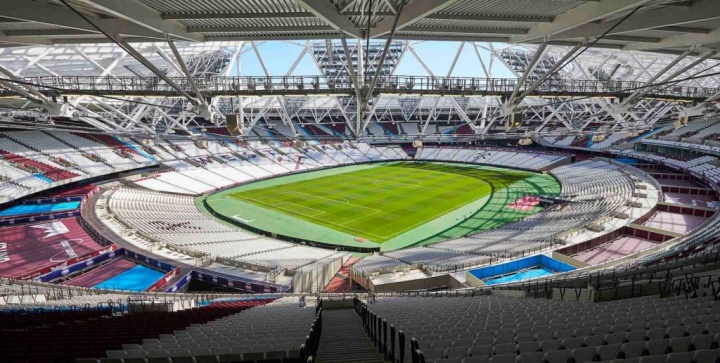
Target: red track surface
(102,273)
(79,190)
(525,203)
(28,248)
(341,281)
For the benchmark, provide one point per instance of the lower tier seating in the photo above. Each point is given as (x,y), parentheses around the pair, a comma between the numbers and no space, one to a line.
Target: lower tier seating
(91,336)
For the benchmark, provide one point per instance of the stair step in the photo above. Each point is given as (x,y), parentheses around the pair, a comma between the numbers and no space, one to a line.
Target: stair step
(344,341)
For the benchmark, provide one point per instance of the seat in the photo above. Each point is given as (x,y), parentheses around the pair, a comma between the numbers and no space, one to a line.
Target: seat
(503,358)
(633,349)
(563,334)
(116,354)
(463,342)
(449,360)
(655,334)
(636,335)
(527,347)
(704,342)
(681,344)
(524,338)
(253,356)
(159,360)
(712,328)
(230,358)
(684,357)
(675,332)
(548,345)
(583,332)
(476,360)
(441,344)
(653,359)
(504,339)
(530,357)
(557,356)
(207,358)
(506,348)
(456,352)
(572,343)
(182,359)
(433,354)
(545,336)
(608,352)
(694,329)
(593,340)
(152,353)
(582,355)
(705,356)
(657,347)
(480,351)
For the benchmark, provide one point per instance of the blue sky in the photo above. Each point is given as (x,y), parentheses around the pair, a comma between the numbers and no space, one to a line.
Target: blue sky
(438,56)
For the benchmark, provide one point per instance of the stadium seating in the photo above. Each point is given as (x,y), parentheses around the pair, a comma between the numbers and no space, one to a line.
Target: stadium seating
(175,220)
(495,328)
(32,161)
(90,336)
(511,159)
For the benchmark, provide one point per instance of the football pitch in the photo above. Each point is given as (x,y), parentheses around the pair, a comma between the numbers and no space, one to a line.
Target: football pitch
(398,204)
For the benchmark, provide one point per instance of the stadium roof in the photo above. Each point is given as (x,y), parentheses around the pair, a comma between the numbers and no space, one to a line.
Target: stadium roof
(655,25)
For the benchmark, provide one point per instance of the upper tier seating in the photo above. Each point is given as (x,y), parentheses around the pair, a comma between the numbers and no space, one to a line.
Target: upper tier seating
(492,157)
(237,164)
(31,161)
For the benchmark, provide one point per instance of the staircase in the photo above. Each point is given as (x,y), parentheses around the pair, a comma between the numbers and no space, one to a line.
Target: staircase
(343,339)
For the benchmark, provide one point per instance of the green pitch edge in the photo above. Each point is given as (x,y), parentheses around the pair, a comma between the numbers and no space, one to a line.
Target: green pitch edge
(481,214)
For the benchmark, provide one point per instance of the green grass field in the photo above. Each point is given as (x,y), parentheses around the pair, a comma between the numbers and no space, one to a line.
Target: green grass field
(394,204)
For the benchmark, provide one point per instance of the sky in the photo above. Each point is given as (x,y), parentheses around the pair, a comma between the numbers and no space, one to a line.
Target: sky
(437,55)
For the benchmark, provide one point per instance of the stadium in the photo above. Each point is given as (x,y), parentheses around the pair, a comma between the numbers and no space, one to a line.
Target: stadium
(298,181)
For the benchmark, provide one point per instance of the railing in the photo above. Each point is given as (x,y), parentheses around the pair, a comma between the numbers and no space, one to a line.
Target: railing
(342,84)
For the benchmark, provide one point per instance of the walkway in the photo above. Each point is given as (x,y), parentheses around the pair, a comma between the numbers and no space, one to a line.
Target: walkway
(344,341)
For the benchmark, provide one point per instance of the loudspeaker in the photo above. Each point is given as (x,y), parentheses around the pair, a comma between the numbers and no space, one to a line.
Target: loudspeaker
(234,124)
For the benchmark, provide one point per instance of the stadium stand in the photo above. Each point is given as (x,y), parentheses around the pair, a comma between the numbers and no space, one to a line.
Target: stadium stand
(492,157)
(174,220)
(501,329)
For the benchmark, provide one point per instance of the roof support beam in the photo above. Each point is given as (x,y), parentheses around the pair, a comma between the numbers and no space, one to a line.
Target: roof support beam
(482,17)
(149,65)
(326,11)
(143,15)
(254,29)
(411,13)
(560,63)
(677,73)
(539,53)
(472,31)
(657,75)
(238,15)
(185,71)
(679,41)
(580,15)
(662,19)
